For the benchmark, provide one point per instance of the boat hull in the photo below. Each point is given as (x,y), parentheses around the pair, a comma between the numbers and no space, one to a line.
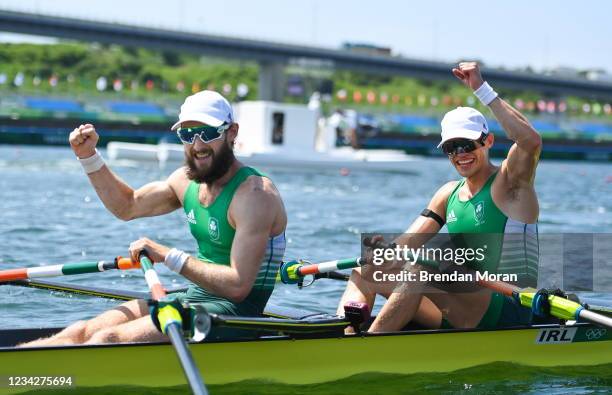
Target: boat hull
(315,360)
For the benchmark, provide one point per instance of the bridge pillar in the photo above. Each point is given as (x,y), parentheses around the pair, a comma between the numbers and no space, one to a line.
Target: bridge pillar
(271,81)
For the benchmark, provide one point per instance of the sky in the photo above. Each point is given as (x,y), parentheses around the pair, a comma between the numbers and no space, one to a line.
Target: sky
(542,34)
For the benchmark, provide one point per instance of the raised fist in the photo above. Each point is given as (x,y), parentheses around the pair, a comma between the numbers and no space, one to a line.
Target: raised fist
(83,141)
(469,74)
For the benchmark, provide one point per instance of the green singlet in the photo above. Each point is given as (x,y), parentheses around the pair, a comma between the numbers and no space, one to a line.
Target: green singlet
(210,227)
(511,246)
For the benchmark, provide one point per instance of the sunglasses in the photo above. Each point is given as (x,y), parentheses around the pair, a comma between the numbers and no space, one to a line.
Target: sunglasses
(460,146)
(205,133)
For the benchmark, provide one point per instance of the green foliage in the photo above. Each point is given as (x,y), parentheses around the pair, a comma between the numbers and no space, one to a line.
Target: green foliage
(173,75)
(77,67)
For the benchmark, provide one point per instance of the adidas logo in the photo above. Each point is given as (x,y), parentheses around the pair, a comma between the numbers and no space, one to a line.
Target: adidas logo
(191,217)
(451,217)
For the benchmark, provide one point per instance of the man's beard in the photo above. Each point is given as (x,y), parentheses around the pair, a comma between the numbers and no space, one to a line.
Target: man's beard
(220,164)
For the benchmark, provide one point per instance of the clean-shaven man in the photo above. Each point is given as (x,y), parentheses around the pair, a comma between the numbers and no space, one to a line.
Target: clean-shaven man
(493,203)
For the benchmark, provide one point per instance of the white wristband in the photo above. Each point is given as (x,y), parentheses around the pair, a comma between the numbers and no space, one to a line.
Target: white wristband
(175,260)
(93,163)
(485,94)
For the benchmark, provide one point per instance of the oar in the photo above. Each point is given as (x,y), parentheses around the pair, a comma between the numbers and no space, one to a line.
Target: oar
(18,275)
(66,269)
(559,307)
(87,290)
(171,324)
(294,272)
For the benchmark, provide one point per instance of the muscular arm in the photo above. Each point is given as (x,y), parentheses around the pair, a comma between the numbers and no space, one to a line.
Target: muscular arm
(124,202)
(118,197)
(254,213)
(514,193)
(519,168)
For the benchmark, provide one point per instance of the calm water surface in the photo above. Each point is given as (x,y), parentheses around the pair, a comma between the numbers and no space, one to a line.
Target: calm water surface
(50,214)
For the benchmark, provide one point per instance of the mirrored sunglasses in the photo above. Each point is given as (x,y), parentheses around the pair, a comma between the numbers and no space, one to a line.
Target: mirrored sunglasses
(205,133)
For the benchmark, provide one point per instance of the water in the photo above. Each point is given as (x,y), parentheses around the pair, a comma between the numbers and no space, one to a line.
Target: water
(51,214)
(495,378)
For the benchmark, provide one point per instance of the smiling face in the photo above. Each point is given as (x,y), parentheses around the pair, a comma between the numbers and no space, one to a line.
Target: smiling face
(470,163)
(208,162)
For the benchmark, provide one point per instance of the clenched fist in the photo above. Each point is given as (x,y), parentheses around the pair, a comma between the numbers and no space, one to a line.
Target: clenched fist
(469,74)
(83,141)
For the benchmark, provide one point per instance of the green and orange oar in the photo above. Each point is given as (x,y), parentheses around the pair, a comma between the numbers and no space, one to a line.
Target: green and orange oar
(171,324)
(66,269)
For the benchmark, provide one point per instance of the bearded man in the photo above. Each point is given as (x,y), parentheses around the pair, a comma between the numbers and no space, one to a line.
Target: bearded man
(234,212)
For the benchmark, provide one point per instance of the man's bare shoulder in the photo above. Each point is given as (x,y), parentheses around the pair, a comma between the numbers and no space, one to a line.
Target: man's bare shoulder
(179,182)
(257,201)
(445,190)
(258,189)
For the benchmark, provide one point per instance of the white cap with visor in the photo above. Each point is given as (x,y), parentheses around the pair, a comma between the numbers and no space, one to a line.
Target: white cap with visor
(207,107)
(463,122)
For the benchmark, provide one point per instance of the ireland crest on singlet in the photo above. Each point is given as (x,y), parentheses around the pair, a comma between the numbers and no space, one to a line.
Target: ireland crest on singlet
(479,213)
(213,228)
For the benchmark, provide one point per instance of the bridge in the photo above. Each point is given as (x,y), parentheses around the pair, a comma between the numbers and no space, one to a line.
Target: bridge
(273,56)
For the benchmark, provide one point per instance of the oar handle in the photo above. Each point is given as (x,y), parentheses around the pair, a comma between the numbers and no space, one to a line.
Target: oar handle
(126,263)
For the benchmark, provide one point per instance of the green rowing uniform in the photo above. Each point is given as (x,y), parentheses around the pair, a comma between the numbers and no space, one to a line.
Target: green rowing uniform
(214,234)
(511,246)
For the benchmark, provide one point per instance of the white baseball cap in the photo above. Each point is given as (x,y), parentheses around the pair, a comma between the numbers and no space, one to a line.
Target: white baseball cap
(463,122)
(208,107)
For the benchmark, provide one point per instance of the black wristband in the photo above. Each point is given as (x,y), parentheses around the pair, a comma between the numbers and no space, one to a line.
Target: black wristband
(430,214)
